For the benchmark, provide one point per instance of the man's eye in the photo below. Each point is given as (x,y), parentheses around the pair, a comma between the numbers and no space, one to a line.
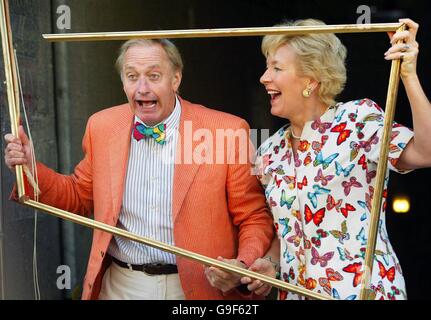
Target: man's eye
(131,76)
(154,76)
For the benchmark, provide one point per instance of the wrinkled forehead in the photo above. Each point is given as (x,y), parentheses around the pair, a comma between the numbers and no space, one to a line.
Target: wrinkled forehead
(150,56)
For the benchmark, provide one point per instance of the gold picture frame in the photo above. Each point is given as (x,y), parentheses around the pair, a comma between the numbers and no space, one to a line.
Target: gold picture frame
(14,111)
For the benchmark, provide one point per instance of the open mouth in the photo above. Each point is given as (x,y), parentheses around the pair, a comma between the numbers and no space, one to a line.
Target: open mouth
(274,94)
(147,103)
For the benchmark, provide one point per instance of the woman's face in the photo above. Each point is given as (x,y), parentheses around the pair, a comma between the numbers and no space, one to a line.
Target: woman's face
(283,83)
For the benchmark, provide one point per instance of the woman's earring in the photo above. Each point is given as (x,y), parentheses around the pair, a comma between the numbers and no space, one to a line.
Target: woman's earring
(307,92)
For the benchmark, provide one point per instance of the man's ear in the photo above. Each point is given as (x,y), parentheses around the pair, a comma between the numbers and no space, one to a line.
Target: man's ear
(176,81)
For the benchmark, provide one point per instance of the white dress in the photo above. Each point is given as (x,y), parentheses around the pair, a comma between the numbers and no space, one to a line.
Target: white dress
(321,199)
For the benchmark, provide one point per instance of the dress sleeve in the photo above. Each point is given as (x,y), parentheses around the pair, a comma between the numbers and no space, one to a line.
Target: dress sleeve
(370,122)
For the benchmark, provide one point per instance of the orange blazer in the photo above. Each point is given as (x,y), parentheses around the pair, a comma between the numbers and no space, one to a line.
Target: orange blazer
(218,209)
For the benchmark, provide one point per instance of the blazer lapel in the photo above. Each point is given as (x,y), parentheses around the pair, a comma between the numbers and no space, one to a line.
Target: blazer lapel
(185,168)
(119,147)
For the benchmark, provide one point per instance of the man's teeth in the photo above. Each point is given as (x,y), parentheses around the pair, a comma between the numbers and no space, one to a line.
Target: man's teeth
(146,103)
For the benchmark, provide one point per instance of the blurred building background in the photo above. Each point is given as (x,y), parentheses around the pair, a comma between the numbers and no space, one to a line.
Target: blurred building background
(65,83)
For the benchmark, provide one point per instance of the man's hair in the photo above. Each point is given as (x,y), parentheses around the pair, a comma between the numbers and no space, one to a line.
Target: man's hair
(319,56)
(170,49)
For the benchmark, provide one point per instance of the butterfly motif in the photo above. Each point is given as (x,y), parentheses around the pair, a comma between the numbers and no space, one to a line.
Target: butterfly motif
(298,161)
(367,203)
(321,259)
(316,217)
(317,146)
(370,175)
(290,181)
(310,284)
(320,235)
(277,181)
(343,134)
(279,170)
(320,126)
(347,185)
(356,269)
(287,156)
(359,127)
(361,236)
(364,216)
(389,274)
(339,117)
(346,171)
(341,235)
(324,162)
(384,255)
(268,191)
(287,202)
(394,292)
(285,223)
(373,117)
(276,149)
(393,161)
(303,183)
(271,202)
(346,209)
(317,191)
(304,146)
(379,289)
(297,214)
(324,179)
(297,237)
(287,256)
(336,295)
(353,116)
(368,103)
(361,254)
(299,253)
(331,203)
(394,148)
(282,295)
(282,144)
(307,243)
(289,276)
(307,159)
(344,254)
(331,275)
(363,162)
(366,145)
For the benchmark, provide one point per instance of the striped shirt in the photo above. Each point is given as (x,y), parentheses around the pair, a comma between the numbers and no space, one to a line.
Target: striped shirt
(147,199)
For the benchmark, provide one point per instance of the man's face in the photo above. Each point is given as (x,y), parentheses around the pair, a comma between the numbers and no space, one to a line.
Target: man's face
(150,83)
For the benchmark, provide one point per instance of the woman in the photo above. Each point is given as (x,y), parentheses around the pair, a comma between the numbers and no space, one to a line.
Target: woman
(319,171)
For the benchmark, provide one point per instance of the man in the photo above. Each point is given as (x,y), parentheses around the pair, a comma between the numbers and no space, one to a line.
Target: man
(137,175)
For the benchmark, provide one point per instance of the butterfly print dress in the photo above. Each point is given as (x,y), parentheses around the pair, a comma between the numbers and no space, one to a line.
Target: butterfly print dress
(321,198)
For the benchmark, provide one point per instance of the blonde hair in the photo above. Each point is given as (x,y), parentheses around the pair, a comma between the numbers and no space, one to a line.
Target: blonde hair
(318,56)
(170,49)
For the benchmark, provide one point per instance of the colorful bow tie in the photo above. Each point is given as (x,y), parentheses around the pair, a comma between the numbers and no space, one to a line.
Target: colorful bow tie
(157,133)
